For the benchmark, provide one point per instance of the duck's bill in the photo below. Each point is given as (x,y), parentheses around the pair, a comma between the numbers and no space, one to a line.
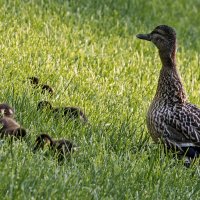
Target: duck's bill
(144,37)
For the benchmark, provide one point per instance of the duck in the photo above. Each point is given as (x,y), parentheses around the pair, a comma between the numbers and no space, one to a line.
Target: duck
(10,128)
(171,118)
(6,110)
(71,112)
(45,88)
(62,147)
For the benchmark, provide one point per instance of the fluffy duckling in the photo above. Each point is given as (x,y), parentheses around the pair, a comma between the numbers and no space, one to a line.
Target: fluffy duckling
(62,147)
(11,128)
(171,119)
(45,88)
(6,110)
(71,112)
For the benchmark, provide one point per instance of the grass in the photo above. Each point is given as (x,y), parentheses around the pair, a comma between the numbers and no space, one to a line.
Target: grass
(87,51)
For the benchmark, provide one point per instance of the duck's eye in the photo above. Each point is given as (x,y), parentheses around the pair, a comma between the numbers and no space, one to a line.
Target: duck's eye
(158,39)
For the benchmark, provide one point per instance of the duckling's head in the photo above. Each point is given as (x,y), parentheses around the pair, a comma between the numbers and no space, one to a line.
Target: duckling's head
(34,80)
(44,105)
(6,110)
(41,140)
(163,36)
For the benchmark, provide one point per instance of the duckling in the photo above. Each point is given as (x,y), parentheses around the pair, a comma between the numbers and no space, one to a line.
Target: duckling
(11,128)
(71,112)
(61,147)
(45,88)
(171,119)
(6,110)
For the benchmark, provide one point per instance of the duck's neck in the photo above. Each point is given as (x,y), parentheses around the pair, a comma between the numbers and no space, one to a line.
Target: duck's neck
(168,59)
(170,88)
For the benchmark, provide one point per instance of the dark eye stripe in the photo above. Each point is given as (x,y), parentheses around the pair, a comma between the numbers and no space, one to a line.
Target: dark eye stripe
(157,32)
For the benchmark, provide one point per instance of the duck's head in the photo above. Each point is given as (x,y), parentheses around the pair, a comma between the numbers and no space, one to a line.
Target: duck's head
(163,36)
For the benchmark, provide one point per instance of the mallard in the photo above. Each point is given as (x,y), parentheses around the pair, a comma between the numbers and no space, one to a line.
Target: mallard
(62,148)
(71,112)
(171,119)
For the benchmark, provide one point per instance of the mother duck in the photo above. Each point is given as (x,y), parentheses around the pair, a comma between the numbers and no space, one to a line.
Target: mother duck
(171,119)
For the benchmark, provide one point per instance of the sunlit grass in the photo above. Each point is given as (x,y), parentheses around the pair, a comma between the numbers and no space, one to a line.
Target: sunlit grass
(87,51)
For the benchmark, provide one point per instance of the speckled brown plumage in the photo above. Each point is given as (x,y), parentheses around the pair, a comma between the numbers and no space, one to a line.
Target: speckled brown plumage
(171,118)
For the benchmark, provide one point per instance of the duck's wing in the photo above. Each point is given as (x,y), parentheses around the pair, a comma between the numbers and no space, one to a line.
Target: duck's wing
(193,109)
(186,147)
(182,126)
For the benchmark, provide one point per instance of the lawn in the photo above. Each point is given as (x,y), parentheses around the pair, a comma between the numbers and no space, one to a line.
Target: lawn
(87,51)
